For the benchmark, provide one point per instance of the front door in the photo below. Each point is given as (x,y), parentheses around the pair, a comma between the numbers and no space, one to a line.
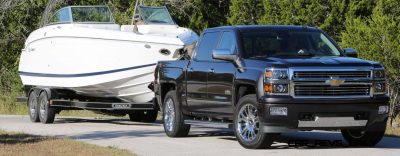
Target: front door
(197,73)
(220,84)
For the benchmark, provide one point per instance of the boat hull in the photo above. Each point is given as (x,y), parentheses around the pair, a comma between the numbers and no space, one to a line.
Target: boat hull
(115,64)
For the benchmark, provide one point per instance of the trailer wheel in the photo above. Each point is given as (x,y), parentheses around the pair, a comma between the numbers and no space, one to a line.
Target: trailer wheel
(46,113)
(33,107)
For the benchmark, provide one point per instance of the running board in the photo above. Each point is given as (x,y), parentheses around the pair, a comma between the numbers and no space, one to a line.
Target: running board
(211,124)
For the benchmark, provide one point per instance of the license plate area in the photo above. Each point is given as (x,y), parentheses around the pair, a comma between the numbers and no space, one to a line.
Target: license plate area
(332,122)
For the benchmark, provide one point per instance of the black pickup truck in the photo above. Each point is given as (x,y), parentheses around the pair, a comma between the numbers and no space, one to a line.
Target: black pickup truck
(266,80)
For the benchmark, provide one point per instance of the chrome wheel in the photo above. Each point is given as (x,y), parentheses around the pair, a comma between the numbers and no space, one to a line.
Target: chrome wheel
(169,116)
(248,125)
(32,106)
(42,110)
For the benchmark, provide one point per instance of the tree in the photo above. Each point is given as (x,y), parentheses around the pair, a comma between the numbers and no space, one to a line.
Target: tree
(245,11)
(377,38)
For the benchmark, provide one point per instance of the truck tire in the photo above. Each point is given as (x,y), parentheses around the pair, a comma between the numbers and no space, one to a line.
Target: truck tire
(358,137)
(46,112)
(148,116)
(247,124)
(173,119)
(33,105)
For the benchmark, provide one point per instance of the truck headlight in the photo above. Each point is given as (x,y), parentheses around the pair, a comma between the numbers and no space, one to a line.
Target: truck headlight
(276,81)
(276,74)
(379,74)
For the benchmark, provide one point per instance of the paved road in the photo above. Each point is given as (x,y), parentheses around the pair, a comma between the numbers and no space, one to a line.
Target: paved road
(149,139)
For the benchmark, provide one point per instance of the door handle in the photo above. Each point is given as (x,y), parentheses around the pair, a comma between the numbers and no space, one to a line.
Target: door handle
(211,70)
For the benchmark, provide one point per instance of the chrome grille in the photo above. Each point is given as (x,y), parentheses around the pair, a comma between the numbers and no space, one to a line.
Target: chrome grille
(328,74)
(327,90)
(317,83)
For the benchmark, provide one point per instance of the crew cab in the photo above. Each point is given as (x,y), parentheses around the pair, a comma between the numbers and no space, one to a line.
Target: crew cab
(267,80)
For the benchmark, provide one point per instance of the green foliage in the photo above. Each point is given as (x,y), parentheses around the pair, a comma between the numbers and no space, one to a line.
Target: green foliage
(329,15)
(377,38)
(245,11)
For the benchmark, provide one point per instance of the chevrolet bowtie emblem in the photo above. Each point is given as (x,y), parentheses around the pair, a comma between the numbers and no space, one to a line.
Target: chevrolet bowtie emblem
(334,81)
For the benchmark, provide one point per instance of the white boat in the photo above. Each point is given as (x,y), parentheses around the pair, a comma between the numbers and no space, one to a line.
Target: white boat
(81,48)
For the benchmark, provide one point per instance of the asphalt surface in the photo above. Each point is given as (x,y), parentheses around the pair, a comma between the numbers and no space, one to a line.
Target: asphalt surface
(150,139)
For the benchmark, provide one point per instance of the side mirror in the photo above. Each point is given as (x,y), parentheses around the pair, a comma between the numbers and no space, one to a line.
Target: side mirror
(224,54)
(350,52)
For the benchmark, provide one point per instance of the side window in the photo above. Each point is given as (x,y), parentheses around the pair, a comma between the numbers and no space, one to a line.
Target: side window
(207,44)
(228,41)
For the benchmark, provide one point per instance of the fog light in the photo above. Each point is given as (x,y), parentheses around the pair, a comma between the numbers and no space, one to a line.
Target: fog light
(383,110)
(278,111)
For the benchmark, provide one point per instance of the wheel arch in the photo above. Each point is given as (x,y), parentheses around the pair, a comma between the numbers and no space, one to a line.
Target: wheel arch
(249,82)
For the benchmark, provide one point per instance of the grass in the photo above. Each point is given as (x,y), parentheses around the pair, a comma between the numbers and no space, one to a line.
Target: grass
(394,128)
(9,106)
(23,144)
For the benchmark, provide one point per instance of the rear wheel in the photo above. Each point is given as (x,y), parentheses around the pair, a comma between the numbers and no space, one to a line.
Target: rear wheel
(46,112)
(247,127)
(358,137)
(33,107)
(173,119)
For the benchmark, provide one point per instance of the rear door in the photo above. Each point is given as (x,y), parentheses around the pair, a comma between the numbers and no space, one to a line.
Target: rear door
(220,79)
(198,71)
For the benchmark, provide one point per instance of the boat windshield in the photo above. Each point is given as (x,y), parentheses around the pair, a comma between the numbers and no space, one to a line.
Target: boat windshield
(82,14)
(155,15)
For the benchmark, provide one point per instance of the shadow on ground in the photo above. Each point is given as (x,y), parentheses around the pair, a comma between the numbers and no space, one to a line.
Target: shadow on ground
(328,138)
(10,139)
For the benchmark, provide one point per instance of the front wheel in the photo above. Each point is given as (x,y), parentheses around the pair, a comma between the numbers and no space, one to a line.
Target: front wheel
(358,137)
(247,127)
(173,119)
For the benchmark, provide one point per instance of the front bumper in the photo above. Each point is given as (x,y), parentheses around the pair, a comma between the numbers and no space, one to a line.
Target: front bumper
(323,114)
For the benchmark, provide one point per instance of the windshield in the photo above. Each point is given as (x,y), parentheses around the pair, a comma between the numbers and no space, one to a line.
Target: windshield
(92,14)
(156,15)
(286,43)
(82,14)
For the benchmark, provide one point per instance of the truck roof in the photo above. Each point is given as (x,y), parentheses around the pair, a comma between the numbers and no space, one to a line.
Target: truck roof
(247,28)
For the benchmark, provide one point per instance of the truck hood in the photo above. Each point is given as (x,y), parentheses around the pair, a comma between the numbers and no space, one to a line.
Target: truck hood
(321,61)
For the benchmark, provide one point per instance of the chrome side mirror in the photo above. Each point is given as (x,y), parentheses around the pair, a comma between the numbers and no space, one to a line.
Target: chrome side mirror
(350,52)
(224,54)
